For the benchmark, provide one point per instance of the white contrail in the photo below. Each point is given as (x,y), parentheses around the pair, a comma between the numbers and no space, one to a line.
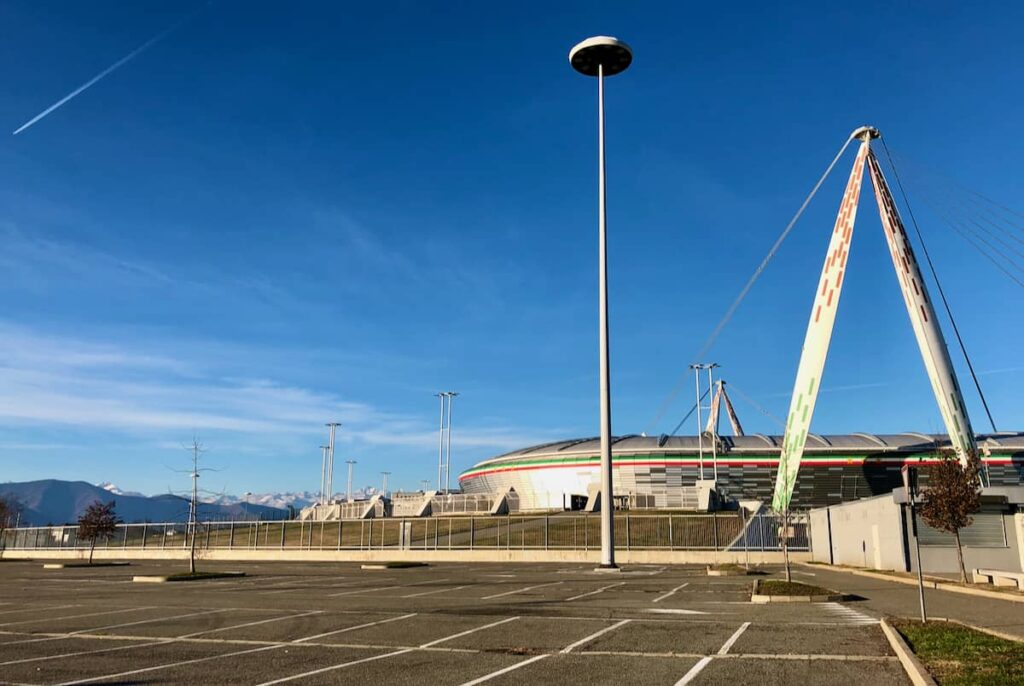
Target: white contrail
(134,53)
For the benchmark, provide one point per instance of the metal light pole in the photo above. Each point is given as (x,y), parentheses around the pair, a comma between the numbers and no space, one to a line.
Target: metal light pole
(323,474)
(448,451)
(425,484)
(603,56)
(714,437)
(910,485)
(384,489)
(440,442)
(330,460)
(348,492)
(696,367)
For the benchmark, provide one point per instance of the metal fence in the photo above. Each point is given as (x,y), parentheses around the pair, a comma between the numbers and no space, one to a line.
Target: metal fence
(719,531)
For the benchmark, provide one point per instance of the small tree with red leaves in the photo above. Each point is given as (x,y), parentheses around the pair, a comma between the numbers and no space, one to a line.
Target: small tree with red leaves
(953,495)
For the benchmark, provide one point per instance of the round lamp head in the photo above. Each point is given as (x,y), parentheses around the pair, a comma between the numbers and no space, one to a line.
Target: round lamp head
(611,54)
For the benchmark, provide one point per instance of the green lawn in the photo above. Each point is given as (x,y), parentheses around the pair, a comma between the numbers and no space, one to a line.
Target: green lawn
(959,656)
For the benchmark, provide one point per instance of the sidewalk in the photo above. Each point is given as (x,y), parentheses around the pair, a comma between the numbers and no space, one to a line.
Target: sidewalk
(892,599)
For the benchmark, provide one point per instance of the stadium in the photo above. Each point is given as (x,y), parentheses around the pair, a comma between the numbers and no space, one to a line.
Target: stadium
(664,472)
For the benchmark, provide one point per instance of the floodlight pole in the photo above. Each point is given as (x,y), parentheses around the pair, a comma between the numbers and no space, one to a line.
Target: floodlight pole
(696,367)
(440,442)
(348,492)
(448,450)
(384,489)
(330,460)
(323,474)
(602,56)
(714,422)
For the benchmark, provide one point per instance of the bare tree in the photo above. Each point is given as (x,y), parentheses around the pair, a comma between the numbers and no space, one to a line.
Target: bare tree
(952,496)
(10,509)
(98,521)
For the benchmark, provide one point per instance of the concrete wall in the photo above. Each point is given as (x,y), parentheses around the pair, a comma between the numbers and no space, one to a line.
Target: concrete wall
(942,560)
(242,555)
(876,533)
(862,533)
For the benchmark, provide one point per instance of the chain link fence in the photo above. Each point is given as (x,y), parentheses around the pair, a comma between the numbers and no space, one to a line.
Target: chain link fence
(718,531)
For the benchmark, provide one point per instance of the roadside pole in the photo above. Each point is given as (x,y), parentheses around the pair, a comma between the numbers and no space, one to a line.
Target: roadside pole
(910,486)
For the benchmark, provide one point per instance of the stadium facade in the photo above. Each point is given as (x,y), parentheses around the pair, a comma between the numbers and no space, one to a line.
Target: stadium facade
(661,472)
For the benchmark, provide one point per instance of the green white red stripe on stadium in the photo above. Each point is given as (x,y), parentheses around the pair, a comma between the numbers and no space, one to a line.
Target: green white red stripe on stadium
(618,461)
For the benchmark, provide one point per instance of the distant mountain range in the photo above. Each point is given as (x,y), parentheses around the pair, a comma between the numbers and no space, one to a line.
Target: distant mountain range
(52,501)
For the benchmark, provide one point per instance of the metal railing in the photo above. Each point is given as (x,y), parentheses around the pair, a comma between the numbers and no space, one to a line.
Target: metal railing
(719,531)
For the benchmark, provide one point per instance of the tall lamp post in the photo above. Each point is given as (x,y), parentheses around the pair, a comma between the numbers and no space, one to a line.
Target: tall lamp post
(348,492)
(603,56)
(909,475)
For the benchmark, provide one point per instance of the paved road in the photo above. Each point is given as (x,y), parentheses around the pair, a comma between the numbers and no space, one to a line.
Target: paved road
(459,624)
(891,599)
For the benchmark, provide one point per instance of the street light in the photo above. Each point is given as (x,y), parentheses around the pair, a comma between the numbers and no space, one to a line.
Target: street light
(384,490)
(603,56)
(909,475)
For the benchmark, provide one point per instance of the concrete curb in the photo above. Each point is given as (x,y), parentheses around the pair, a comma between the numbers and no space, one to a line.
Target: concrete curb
(935,585)
(918,675)
(984,630)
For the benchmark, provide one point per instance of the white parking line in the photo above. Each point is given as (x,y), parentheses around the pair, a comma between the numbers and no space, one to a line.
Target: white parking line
(87,614)
(732,639)
(333,667)
(600,590)
(672,592)
(470,631)
(506,670)
(169,665)
(439,590)
(114,626)
(31,609)
(520,590)
(677,611)
(85,652)
(694,671)
(256,623)
(363,590)
(591,637)
(353,628)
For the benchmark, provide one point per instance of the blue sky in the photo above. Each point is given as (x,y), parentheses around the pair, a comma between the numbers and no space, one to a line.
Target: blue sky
(282,214)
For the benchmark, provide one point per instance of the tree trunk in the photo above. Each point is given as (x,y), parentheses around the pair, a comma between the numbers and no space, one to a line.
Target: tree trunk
(92,548)
(960,557)
(784,539)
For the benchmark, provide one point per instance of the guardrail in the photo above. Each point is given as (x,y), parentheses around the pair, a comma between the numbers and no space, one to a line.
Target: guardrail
(718,532)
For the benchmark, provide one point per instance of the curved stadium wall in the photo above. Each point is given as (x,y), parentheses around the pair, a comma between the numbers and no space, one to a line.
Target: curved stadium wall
(656,471)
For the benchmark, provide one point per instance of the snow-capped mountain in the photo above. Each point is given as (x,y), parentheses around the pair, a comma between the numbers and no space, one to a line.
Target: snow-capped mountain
(107,486)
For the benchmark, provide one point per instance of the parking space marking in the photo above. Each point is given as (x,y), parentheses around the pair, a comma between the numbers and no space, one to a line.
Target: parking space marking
(71,634)
(506,670)
(85,652)
(363,590)
(694,671)
(256,623)
(169,665)
(350,663)
(671,593)
(30,609)
(732,639)
(469,631)
(583,641)
(600,590)
(676,611)
(520,590)
(87,614)
(353,628)
(439,590)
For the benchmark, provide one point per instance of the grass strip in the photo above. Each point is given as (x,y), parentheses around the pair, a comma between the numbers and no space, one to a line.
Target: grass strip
(780,587)
(960,656)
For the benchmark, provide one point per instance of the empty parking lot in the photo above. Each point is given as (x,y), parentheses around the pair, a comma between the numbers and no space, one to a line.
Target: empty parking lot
(442,624)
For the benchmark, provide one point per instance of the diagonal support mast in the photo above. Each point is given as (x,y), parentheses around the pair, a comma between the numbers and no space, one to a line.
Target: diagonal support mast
(819,332)
(923,319)
(922,315)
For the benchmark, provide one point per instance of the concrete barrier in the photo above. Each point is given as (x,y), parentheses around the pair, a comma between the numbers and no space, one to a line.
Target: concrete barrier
(702,557)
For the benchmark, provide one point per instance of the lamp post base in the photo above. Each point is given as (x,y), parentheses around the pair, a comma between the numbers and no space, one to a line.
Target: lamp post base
(606,569)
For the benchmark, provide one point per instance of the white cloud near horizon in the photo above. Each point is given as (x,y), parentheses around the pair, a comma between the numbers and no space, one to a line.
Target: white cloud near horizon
(65,381)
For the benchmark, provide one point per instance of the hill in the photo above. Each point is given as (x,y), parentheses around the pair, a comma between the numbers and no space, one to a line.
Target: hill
(52,501)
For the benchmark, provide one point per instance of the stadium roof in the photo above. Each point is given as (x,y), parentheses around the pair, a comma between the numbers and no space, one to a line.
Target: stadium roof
(761,443)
